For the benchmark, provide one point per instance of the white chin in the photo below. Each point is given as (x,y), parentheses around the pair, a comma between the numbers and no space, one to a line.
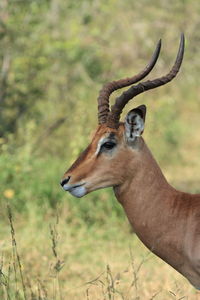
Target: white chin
(78,192)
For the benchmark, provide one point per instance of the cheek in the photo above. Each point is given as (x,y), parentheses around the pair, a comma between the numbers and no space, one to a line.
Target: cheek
(111,166)
(121,163)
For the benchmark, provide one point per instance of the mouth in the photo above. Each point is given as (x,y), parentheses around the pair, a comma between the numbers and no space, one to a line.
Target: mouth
(77,190)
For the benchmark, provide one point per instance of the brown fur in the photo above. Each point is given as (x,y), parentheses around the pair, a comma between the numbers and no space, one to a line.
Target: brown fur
(166,220)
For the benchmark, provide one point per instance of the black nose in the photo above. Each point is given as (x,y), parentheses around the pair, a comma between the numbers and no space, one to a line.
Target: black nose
(64,181)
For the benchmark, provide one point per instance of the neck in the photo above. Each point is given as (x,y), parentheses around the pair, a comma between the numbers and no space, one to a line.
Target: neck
(145,182)
(147,199)
(166,220)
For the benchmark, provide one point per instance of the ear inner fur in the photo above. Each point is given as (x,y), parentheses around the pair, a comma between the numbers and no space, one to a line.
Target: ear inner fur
(134,123)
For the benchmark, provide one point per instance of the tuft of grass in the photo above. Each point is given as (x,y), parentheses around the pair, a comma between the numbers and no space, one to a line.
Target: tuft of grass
(16,283)
(67,258)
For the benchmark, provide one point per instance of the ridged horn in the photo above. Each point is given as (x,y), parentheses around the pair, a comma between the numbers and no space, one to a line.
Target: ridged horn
(125,97)
(110,87)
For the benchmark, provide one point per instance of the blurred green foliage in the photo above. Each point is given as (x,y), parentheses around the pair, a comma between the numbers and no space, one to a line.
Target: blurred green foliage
(54,57)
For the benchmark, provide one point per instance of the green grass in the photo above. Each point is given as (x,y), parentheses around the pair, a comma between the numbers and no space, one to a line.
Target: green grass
(59,260)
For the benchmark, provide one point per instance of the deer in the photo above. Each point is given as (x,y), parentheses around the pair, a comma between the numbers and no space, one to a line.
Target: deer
(165,219)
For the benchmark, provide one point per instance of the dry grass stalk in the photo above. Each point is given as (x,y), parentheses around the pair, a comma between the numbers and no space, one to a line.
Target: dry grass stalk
(16,255)
(57,267)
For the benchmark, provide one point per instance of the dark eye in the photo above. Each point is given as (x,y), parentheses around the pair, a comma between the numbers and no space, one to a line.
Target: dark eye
(109,145)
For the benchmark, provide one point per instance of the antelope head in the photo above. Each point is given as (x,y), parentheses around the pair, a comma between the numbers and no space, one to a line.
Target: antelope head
(104,163)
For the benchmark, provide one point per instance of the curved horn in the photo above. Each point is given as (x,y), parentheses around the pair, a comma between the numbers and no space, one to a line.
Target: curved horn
(108,88)
(122,100)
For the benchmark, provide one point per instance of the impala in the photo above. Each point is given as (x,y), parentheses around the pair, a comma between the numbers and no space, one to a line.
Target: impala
(166,220)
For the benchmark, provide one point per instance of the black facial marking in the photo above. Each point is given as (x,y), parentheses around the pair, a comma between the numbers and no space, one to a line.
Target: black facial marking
(111,135)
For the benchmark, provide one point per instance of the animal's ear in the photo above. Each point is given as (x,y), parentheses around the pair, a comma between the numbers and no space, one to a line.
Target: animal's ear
(134,122)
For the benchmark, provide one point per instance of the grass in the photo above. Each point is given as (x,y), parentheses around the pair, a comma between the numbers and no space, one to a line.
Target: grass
(50,259)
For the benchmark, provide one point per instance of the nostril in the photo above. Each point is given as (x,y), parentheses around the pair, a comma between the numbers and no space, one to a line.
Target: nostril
(64,181)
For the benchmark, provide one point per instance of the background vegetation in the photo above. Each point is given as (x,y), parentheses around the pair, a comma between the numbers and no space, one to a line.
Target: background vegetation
(54,57)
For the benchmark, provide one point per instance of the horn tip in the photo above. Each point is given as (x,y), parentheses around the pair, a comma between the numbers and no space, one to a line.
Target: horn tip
(182,38)
(159,44)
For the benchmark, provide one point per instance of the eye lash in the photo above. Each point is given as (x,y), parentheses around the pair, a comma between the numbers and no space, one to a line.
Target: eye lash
(108,145)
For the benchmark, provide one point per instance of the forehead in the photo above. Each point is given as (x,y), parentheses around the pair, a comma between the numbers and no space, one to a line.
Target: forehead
(104,131)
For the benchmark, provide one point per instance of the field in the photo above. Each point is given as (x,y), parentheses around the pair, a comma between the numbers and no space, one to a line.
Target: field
(54,57)
(62,261)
